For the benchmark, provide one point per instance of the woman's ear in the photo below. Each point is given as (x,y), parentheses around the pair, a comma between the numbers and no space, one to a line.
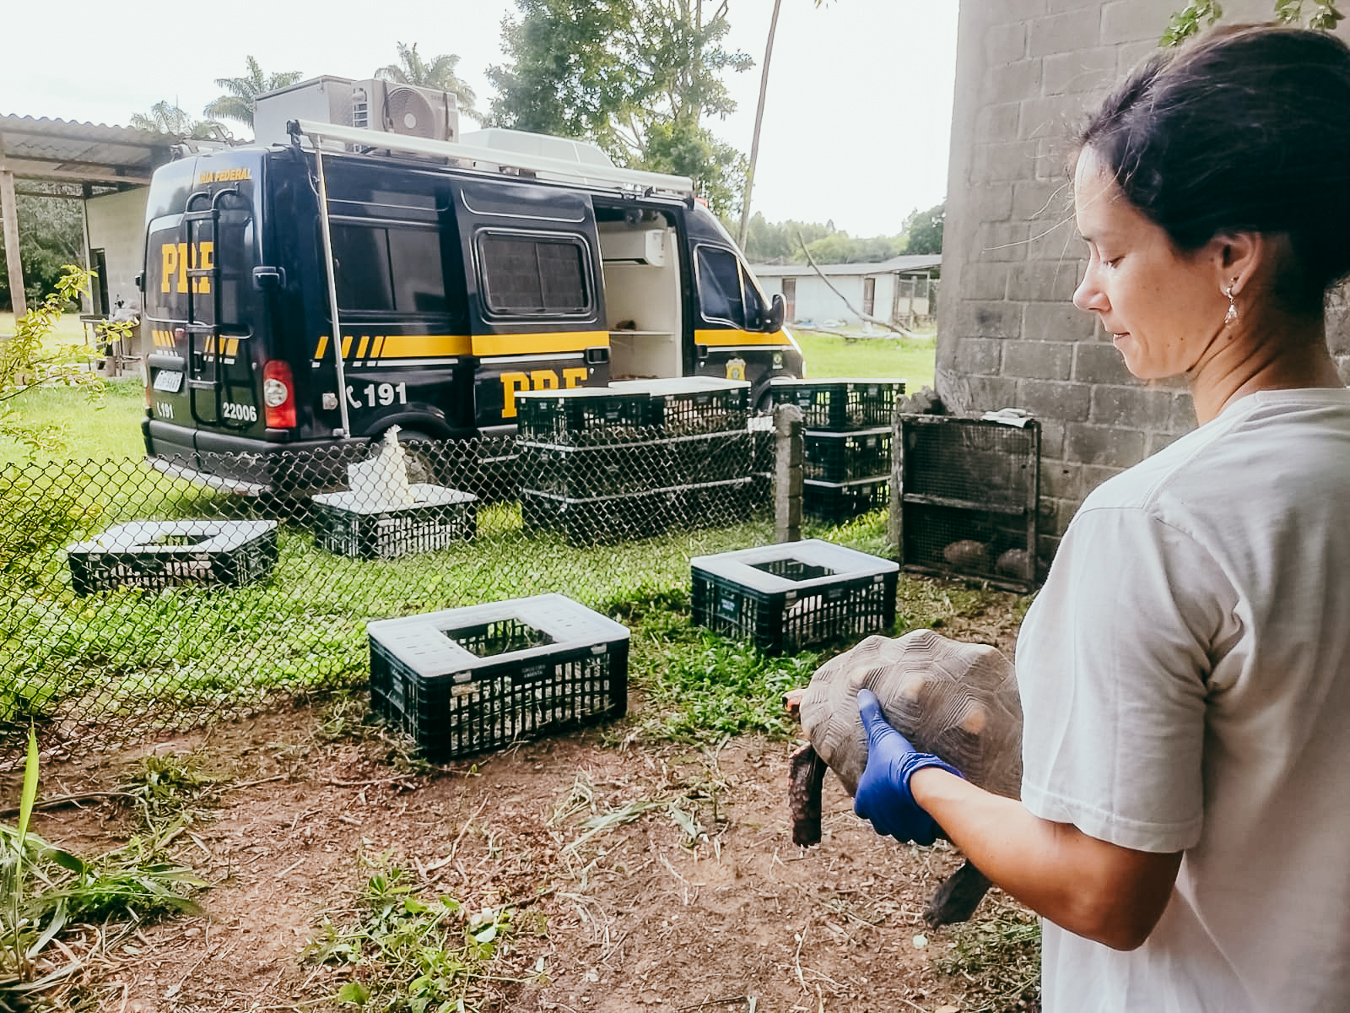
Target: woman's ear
(1239,256)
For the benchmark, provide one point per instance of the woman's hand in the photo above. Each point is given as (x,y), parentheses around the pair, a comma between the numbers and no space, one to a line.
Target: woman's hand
(883,790)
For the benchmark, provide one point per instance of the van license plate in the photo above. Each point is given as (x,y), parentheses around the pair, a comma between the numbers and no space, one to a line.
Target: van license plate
(170,380)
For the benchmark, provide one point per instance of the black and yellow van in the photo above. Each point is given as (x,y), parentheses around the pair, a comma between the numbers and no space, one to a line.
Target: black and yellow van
(303,294)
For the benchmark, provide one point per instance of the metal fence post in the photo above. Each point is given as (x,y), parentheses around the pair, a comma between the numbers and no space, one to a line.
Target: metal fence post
(788,451)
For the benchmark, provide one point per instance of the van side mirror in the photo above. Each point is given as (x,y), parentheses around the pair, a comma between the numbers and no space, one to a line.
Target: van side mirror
(773,320)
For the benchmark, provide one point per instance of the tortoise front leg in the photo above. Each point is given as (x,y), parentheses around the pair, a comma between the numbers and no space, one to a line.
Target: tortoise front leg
(958,897)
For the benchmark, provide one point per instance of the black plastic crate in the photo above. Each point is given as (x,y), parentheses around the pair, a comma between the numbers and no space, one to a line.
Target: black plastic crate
(783,598)
(844,457)
(691,405)
(717,504)
(691,412)
(840,404)
(585,416)
(838,502)
(597,520)
(712,457)
(349,524)
(582,472)
(465,680)
(160,554)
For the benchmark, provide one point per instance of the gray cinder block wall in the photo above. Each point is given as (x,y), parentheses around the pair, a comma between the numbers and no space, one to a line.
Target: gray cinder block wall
(1008,334)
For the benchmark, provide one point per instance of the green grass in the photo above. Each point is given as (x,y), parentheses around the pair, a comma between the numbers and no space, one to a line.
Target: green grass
(92,429)
(70,331)
(909,359)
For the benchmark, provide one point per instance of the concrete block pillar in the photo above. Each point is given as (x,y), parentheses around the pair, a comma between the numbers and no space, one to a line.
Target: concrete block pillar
(789,450)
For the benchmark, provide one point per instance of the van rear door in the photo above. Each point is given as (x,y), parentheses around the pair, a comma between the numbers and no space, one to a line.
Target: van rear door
(201,304)
(536,300)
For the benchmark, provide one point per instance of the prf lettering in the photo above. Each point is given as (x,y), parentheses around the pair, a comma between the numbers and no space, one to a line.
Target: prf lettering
(536,379)
(178,259)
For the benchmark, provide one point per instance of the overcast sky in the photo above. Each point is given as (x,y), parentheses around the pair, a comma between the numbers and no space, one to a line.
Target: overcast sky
(855,130)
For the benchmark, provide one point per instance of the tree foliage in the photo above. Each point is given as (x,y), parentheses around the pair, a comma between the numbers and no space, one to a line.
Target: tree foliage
(168,118)
(781,243)
(1319,15)
(925,229)
(51,233)
(28,360)
(439,73)
(241,93)
(637,77)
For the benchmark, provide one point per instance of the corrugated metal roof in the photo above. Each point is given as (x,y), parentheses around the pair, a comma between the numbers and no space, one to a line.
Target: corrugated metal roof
(64,150)
(896,265)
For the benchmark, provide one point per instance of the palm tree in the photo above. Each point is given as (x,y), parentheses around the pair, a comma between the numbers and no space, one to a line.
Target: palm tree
(244,92)
(168,118)
(438,74)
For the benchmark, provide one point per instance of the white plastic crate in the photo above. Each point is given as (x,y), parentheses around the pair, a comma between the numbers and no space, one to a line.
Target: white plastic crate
(787,596)
(463,680)
(158,554)
(354,524)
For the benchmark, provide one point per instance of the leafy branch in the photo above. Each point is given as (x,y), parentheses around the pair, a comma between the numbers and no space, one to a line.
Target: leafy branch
(29,359)
(1187,21)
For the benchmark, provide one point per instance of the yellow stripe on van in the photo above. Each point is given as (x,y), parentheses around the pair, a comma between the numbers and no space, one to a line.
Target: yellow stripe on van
(423,346)
(735,336)
(398,346)
(535,344)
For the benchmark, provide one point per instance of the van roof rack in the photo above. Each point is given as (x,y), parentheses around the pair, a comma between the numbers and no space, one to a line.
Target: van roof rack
(494,159)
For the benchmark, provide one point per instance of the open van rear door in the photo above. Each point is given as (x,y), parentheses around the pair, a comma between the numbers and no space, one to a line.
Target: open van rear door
(536,296)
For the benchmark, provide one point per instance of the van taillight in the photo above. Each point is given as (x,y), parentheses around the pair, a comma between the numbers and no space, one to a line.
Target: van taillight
(278,395)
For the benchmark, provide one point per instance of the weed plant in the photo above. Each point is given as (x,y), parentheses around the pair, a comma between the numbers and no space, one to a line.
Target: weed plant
(54,903)
(1000,958)
(406,953)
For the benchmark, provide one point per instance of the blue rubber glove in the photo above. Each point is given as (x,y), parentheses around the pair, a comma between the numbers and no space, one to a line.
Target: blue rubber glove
(883,790)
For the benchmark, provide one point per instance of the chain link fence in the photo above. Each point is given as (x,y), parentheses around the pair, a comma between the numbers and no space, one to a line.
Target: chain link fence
(133,599)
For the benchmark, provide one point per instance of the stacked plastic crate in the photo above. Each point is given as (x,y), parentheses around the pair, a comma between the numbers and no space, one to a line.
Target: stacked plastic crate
(628,461)
(847,434)
(702,422)
(587,463)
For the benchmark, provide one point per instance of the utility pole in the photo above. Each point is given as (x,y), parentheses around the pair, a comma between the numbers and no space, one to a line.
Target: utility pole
(759,118)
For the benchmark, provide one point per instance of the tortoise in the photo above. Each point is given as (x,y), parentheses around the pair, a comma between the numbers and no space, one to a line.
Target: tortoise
(954,699)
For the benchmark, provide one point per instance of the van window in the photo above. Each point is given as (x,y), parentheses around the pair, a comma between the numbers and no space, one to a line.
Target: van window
(390,270)
(529,275)
(719,285)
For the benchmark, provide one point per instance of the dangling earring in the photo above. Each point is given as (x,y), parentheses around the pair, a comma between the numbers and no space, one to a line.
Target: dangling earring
(1232,306)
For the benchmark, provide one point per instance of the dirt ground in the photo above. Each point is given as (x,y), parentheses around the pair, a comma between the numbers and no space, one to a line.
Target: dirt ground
(630,918)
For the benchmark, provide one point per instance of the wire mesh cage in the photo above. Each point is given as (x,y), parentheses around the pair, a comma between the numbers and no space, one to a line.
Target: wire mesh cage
(968,498)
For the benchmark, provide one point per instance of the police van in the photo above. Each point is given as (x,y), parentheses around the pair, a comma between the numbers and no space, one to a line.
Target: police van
(349,273)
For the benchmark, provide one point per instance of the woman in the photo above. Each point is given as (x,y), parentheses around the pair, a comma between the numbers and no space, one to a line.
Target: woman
(1185,672)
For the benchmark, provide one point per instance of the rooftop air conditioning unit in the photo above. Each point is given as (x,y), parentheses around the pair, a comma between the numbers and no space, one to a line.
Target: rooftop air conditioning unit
(405,109)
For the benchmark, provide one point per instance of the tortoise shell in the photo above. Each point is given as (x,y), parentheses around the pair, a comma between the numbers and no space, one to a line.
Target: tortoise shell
(954,699)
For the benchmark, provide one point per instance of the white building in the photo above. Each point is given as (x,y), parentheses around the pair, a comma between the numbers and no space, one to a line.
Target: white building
(902,290)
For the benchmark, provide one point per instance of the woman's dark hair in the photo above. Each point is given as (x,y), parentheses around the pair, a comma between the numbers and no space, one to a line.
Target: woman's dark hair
(1246,129)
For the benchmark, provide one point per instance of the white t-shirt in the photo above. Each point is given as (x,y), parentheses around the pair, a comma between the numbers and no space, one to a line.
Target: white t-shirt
(1185,680)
